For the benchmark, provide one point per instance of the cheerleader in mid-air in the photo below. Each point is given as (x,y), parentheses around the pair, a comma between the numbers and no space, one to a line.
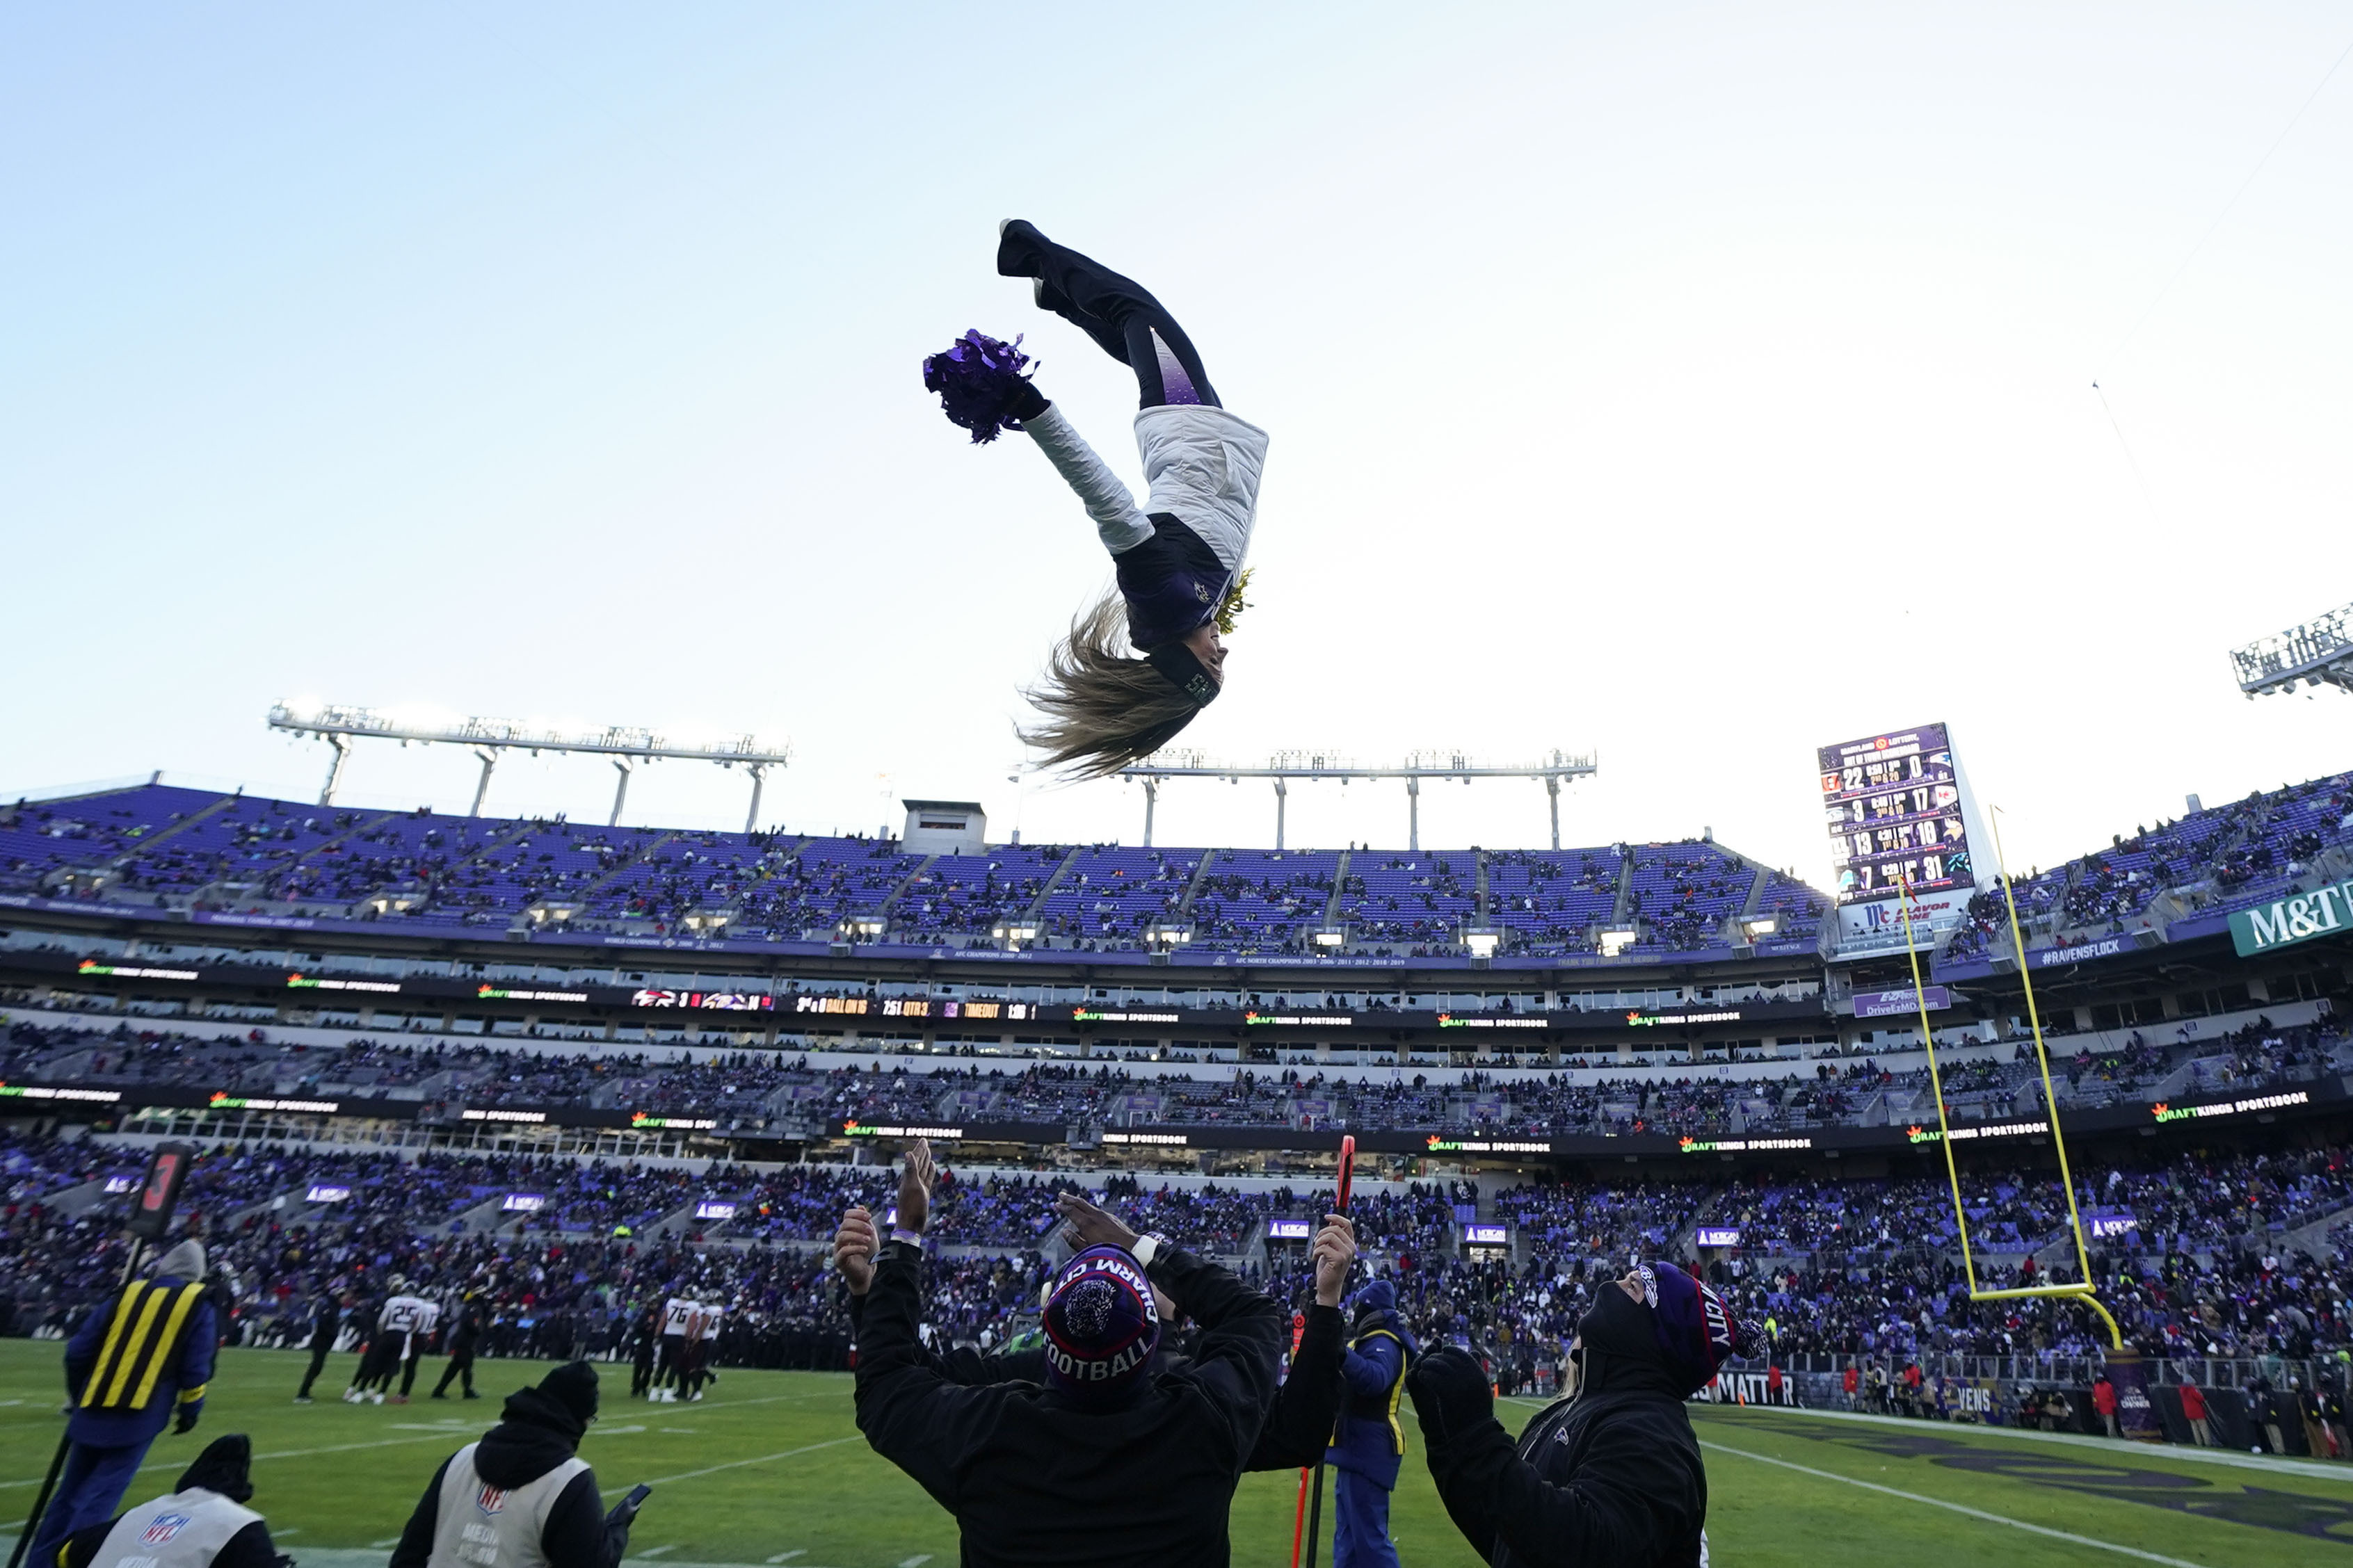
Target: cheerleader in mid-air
(1178,559)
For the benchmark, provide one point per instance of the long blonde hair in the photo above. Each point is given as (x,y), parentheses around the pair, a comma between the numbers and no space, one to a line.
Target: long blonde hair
(1104,708)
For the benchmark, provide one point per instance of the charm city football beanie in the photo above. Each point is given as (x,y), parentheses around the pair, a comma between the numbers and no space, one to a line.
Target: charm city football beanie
(1696,1330)
(1102,1327)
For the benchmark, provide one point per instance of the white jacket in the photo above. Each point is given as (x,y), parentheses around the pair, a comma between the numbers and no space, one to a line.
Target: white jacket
(1202,465)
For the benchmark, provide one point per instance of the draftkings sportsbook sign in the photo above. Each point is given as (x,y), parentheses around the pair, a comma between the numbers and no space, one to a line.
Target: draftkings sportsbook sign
(2302,916)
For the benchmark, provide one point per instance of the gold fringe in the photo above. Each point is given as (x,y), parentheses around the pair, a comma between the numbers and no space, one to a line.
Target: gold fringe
(1230,608)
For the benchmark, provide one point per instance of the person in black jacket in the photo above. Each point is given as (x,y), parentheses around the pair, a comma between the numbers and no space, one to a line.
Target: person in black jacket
(1305,1407)
(524,1477)
(1114,1459)
(326,1322)
(463,1336)
(1609,1474)
(204,1511)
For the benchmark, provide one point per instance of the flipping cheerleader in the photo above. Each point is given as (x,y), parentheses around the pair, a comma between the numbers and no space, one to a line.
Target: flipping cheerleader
(1179,558)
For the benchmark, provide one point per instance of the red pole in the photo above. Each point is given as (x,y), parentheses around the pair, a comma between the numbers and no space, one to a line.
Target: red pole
(1298,1524)
(1314,1478)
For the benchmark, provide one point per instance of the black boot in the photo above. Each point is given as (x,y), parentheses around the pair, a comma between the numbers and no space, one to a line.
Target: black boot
(1089,297)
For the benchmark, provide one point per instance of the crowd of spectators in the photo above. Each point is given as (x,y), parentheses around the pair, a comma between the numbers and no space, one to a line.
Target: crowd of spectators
(2223,858)
(161,844)
(2191,1253)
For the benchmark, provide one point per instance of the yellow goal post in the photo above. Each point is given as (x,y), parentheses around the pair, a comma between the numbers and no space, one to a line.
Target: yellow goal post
(2083,1289)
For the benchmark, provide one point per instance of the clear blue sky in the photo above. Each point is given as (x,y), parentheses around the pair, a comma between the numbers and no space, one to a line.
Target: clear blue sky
(1700,383)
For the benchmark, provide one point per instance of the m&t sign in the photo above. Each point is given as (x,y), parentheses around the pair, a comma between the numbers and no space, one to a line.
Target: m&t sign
(2324,911)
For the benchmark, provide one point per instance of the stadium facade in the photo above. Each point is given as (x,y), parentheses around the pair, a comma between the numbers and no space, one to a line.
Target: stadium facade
(1467,971)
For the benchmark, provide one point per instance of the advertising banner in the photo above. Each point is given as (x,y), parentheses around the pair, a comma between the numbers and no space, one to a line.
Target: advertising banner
(2301,917)
(1900,1004)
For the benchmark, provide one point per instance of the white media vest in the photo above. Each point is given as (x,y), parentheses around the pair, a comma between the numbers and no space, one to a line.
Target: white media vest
(481,1526)
(186,1530)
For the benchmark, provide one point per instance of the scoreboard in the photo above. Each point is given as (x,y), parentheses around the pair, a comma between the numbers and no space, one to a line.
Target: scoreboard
(1892,805)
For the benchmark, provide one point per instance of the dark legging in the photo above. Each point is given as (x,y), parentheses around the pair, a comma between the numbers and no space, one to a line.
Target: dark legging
(1118,312)
(319,1346)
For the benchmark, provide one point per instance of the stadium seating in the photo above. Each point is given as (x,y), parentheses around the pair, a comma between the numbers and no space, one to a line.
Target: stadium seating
(755,1091)
(161,844)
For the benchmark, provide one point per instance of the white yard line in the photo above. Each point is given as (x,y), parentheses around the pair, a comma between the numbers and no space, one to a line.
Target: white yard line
(182,1463)
(762,1459)
(2272,1464)
(2067,1536)
(788,1556)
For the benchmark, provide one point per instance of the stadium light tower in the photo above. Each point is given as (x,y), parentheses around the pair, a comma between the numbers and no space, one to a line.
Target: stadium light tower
(626,748)
(1286,766)
(2317,653)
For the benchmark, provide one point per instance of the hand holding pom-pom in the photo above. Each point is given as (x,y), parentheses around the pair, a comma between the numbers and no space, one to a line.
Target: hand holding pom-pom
(978,379)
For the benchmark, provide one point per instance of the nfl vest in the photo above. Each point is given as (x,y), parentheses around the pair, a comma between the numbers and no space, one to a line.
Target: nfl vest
(150,1320)
(182,1531)
(484,1526)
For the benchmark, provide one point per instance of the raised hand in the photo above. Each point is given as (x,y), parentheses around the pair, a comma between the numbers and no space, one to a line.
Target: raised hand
(915,1187)
(1333,1252)
(1091,1226)
(854,1247)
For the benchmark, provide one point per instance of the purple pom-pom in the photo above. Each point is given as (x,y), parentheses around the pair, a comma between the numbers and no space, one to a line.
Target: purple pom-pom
(978,378)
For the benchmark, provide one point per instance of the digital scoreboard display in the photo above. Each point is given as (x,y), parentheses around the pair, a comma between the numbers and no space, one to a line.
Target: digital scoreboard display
(1290,1230)
(1892,806)
(523,1202)
(714,1208)
(1486,1235)
(327,1193)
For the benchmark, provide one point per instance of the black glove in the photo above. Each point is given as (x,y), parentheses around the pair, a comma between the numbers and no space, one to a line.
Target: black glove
(186,1422)
(1451,1395)
(617,1523)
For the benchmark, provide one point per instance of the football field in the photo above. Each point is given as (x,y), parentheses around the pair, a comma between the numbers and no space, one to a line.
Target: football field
(769,1470)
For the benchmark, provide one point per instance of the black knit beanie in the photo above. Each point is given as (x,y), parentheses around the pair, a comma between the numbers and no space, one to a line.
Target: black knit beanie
(573,1385)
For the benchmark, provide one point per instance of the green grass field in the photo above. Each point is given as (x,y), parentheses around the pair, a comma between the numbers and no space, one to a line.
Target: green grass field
(769,1470)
